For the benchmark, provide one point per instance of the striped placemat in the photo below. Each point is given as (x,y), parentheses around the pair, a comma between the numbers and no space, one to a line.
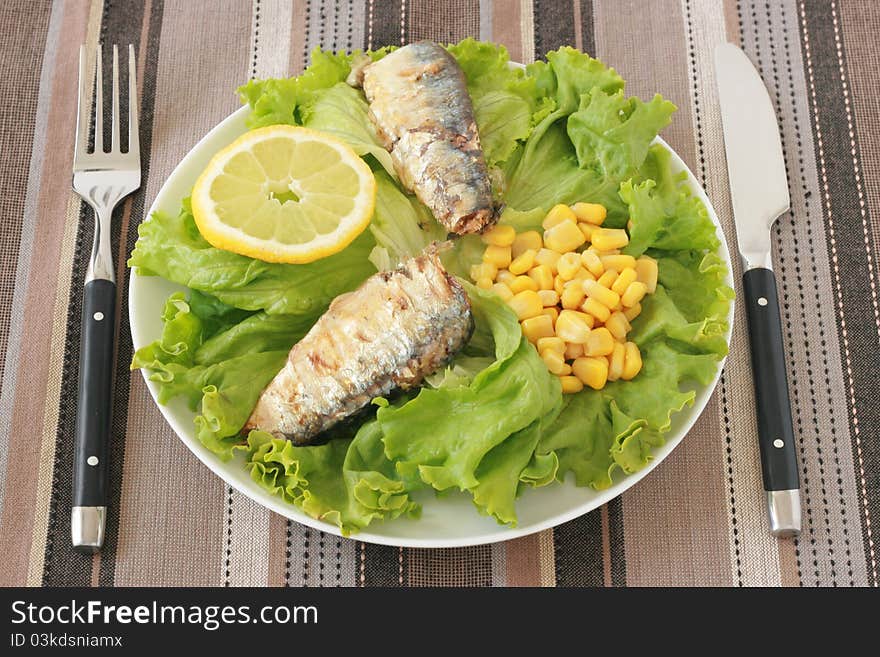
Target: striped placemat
(698,519)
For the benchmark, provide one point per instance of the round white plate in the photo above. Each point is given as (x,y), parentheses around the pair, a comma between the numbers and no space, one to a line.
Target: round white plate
(452,521)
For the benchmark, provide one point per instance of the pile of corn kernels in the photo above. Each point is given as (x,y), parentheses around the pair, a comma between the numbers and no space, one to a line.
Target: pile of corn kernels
(573,291)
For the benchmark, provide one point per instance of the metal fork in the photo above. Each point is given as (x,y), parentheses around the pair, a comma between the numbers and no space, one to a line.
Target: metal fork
(102,179)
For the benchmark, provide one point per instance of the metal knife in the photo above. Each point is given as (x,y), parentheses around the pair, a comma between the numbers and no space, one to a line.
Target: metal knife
(759,189)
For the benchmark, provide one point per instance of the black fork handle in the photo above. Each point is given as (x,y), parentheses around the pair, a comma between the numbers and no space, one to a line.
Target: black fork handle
(95,389)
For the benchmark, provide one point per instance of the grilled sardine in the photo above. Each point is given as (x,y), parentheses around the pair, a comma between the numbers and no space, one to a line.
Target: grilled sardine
(390,333)
(421,108)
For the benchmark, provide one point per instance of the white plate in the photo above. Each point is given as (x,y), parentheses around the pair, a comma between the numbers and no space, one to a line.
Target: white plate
(452,521)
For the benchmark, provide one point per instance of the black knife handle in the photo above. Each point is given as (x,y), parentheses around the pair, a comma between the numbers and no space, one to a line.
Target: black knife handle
(93,410)
(775,430)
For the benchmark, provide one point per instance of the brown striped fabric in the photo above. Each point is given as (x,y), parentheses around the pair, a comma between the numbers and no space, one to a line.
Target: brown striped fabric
(698,519)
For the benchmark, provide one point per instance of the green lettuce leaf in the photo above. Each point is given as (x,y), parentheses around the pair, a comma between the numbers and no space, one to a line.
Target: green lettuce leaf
(505,99)
(216,316)
(290,100)
(172,247)
(549,173)
(512,465)
(581,439)
(612,133)
(342,111)
(273,101)
(664,214)
(340,482)
(253,335)
(694,281)
(222,374)
(602,142)
(401,225)
(439,435)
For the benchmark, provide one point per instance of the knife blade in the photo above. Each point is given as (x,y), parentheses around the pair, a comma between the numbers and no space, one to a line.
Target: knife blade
(759,191)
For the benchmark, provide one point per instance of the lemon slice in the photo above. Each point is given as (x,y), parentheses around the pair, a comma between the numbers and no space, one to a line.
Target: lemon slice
(284,194)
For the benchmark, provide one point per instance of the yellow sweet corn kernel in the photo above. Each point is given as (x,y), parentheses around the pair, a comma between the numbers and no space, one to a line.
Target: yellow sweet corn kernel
(634,293)
(504,276)
(615,361)
(587,230)
(573,351)
(599,343)
(524,241)
(592,213)
(571,327)
(632,312)
(566,370)
(582,275)
(632,361)
(484,270)
(618,262)
(607,279)
(572,297)
(558,213)
(554,361)
(570,384)
(543,276)
(499,235)
(646,268)
(540,326)
(564,237)
(547,258)
(568,265)
(502,291)
(499,256)
(618,325)
(552,313)
(596,309)
(606,239)
(526,304)
(551,343)
(520,283)
(592,372)
(484,283)
(559,284)
(523,262)
(549,298)
(623,280)
(589,320)
(592,262)
(595,290)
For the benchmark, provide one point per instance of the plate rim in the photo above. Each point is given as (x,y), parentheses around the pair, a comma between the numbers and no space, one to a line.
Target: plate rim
(497,534)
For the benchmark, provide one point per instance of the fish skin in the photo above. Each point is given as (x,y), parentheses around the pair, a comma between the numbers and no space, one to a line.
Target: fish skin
(397,328)
(422,111)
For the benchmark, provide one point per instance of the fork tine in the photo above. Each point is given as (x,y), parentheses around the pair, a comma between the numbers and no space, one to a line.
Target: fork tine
(82,104)
(99,104)
(134,147)
(114,147)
